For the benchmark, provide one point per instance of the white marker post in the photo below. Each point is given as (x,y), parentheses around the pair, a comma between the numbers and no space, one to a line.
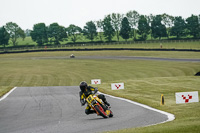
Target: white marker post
(117,86)
(96,81)
(187,97)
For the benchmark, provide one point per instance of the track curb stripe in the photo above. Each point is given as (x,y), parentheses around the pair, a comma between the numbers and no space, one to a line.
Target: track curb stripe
(6,95)
(170,116)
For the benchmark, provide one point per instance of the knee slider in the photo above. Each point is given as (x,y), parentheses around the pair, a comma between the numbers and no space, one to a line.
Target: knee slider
(87,111)
(102,97)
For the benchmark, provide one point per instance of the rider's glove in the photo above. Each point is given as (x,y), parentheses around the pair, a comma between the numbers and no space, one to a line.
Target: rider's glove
(83,102)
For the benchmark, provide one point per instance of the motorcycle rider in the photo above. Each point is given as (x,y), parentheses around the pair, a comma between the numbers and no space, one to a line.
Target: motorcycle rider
(85,92)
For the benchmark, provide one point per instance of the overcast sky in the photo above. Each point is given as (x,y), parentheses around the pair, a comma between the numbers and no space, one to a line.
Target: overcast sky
(26,13)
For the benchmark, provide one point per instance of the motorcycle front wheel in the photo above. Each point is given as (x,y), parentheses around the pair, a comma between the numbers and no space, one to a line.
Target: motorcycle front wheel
(100,110)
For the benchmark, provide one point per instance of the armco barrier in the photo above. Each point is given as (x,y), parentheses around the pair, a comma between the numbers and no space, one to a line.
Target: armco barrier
(98,49)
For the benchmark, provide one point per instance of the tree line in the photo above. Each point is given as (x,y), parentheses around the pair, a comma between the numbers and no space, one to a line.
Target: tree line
(129,25)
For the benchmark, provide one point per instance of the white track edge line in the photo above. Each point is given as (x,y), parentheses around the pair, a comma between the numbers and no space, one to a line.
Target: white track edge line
(6,95)
(170,116)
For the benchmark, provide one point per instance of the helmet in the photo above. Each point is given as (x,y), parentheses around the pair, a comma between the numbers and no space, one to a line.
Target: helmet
(83,85)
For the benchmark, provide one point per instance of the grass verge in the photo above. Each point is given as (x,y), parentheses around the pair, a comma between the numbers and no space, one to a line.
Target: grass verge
(148,91)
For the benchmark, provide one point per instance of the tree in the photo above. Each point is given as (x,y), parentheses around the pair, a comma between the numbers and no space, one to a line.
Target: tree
(116,20)
(39,33)
(4,37)
(149,21)
(56,33)
(15,32)
(158,29)
(125,29)
(100,27)
(90,30)
(193,26)
(168,22)
(73,31)
(28,32)
(109,32)
(22,34)
(143,27)
(179,27)
(133,18)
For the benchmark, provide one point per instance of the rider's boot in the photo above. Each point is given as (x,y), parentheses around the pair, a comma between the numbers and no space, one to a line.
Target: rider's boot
(106,103)
(103,99)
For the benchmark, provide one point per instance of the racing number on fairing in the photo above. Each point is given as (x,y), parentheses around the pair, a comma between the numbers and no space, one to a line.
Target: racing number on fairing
(90,99)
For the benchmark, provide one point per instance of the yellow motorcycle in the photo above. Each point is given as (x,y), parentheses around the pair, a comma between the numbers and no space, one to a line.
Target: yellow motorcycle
(97,104)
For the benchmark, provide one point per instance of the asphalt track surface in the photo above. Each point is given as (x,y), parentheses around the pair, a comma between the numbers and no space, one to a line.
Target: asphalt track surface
(121,58)
(58,110)
(138,58)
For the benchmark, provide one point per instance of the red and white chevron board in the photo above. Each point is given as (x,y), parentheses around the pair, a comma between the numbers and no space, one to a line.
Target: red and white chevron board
(117,86)
(96,81)
(187,97)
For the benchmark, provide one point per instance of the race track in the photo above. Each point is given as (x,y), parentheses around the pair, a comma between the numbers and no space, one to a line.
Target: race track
(58,110)
(119,58)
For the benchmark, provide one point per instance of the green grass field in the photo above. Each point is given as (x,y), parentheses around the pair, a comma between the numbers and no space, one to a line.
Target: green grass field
(145,80)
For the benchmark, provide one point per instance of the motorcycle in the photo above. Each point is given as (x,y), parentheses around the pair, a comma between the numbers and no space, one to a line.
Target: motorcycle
(97,104)
(72,56)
